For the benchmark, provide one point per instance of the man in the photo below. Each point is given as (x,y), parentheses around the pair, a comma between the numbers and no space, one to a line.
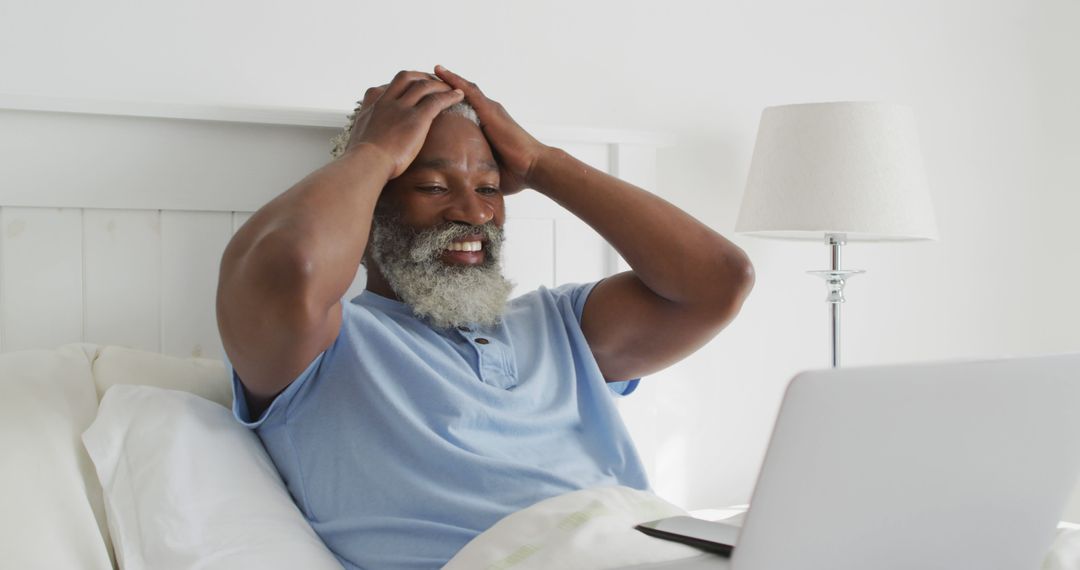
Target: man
(409,420)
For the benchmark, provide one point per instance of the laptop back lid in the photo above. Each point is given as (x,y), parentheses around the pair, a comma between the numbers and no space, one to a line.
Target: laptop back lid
(946,465)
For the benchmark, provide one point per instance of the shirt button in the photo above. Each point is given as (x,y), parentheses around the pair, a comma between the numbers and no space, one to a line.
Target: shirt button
(464,329)
(482,341)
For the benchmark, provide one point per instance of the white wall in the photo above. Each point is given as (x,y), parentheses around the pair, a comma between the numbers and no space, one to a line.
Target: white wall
(993,85)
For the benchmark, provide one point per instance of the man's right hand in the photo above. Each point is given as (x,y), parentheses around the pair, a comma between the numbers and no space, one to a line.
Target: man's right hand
(395,118)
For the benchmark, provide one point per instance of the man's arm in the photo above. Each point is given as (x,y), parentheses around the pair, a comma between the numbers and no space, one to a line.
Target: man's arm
(284,272)
(687,281)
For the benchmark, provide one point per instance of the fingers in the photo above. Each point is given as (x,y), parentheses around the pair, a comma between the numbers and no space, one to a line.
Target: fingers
(435,103)
(403,80)
(373,94)
(472,91)
(421,88)
(408,88)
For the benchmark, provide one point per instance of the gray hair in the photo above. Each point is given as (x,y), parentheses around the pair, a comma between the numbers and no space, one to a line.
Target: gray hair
(342,139)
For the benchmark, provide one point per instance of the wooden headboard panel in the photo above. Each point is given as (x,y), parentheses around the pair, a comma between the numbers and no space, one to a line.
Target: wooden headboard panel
(113,216)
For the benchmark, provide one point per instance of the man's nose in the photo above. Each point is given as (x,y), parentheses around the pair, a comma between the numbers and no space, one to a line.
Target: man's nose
(469,207)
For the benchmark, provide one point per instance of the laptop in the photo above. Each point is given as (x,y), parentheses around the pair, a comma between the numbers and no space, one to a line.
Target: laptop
(956,465)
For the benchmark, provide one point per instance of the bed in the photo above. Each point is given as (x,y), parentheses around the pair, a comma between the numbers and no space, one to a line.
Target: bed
(113,218)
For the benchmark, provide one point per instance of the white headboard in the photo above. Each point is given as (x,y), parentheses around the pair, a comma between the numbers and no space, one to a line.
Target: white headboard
(114,215)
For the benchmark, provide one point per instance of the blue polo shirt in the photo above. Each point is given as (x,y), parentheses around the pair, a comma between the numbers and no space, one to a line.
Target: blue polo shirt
(401,442)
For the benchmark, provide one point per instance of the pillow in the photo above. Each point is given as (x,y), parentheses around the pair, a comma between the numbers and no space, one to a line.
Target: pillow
(47,484)
(1065,551)
(187,486)
(200,376)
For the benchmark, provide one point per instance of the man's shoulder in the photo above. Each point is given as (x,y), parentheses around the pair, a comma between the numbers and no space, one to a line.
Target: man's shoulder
(567,299)
(558,292)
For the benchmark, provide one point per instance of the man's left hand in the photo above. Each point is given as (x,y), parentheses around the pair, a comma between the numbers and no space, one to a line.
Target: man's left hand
(515,149)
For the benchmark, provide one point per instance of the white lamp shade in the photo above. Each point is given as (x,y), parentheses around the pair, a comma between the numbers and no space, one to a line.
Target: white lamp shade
(849,168)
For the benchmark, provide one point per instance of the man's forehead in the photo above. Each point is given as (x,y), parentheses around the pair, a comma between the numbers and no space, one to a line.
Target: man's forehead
(455,143)
(440,163)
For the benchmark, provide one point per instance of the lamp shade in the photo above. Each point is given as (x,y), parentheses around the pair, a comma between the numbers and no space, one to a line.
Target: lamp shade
(849,168)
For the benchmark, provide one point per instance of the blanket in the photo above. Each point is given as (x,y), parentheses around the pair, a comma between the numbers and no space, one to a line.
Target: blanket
(587,529)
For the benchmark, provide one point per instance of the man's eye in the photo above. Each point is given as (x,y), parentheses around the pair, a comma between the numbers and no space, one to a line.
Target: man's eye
(431,189)
(488,190)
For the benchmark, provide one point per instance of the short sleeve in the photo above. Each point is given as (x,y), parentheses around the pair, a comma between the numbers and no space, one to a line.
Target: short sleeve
(280,402)
(579,294)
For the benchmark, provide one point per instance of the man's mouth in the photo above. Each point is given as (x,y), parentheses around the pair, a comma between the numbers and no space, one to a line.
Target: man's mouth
(466,246)
(465,251)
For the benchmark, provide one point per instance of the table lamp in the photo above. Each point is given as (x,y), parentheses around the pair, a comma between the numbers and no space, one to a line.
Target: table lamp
(838,172)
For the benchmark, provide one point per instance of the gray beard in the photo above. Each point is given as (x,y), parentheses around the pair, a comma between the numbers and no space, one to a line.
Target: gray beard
(444,295)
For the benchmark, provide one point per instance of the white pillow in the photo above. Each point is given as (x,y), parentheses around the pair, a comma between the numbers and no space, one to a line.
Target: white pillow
(187,486)
(1065,551)
(200,376)
(47,484)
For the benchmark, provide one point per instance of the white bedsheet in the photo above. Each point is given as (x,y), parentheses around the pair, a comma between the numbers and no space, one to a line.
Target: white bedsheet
(593,529)
(587,529)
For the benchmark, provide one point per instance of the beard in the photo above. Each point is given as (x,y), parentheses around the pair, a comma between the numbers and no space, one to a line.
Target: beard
(443,294)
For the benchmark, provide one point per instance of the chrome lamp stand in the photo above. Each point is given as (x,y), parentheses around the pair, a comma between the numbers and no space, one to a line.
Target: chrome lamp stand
(834,280)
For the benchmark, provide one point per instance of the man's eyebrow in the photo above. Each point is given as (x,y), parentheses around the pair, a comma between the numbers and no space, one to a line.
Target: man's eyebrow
(437,163)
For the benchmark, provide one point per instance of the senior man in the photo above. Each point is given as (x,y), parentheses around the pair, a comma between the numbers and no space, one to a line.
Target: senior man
(411,418)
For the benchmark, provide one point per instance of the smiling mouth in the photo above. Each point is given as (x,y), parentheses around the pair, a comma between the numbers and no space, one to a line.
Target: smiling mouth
(470,252)
(475,245)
